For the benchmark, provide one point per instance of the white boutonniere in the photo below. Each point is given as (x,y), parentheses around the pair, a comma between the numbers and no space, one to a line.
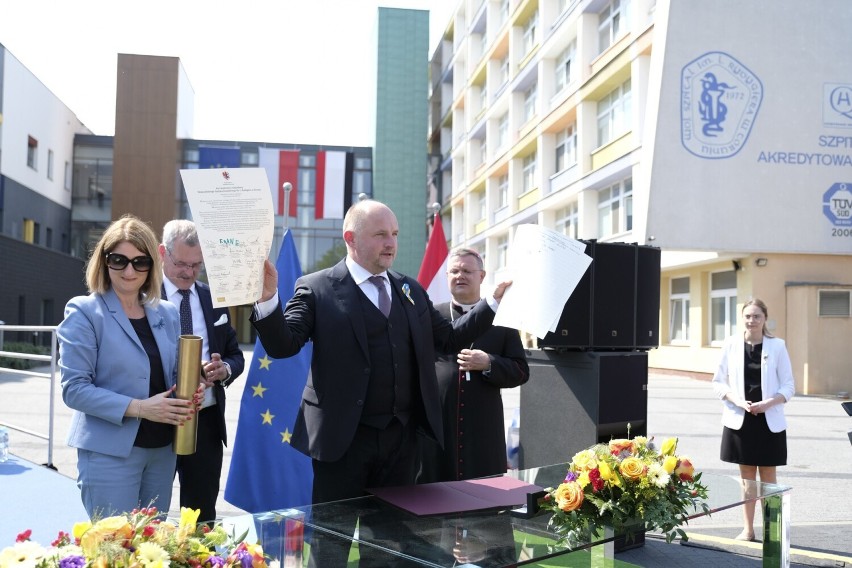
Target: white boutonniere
(406,289)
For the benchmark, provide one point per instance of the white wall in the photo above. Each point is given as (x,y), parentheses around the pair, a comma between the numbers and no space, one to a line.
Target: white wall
(30,109)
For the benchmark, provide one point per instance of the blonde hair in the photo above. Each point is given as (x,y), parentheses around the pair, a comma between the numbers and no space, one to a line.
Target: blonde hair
(134,231)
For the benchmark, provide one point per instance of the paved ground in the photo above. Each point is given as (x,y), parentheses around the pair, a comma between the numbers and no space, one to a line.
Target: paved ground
(819,470)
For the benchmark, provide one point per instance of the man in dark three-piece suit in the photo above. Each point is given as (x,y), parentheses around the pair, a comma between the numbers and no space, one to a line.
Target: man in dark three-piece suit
(372,384)
(222,359)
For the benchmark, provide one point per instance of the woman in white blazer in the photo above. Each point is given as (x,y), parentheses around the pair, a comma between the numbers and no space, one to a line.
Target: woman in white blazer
(754,380)
(118,365)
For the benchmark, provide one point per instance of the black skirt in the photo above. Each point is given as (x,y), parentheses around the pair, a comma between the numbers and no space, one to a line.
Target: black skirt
(754,443)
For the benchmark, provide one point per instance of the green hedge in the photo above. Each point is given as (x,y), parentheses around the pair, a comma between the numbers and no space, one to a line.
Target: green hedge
(21,347)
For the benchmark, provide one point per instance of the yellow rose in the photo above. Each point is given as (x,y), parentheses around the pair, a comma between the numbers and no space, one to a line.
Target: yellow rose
(569,496)
(632,468)
(605,471)
(669,464)
(584,461)
(685,469)
(110,528)
(669,447)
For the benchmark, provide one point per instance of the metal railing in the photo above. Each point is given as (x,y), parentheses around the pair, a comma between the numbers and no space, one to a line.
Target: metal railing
(51,376)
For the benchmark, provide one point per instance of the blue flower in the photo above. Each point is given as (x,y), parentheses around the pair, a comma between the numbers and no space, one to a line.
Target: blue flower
(160,324)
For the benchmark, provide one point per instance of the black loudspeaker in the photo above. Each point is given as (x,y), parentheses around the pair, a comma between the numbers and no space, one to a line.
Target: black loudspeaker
(616,303)
(647,297)
(574,400)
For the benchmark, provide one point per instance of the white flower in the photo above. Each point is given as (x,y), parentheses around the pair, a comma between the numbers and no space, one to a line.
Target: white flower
(152,555)
(657,475)
(27,554)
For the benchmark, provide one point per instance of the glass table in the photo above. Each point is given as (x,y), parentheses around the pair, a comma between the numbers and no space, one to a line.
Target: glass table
(390,536)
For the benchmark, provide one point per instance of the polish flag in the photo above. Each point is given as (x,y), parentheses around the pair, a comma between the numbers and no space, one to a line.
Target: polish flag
(281,166)
(334,184)
(433,271)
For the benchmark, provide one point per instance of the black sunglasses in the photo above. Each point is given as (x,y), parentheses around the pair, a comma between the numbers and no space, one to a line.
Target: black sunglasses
(117,261)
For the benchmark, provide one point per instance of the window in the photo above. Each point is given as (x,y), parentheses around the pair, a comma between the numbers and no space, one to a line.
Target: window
(723,305)
(32,152)
(834,303)
(68,177)
(503,74)
(614,114)
(615,208)
(611,23)
(504,12)
(566,148)
(679,310)
(483,97)
(50,164)
(48,237)
(529,33)
(529,102)
(502,251)
(503,191)
(529,173)
(503,131)
(483,151)
(563,66)
(481,205)
(566,220)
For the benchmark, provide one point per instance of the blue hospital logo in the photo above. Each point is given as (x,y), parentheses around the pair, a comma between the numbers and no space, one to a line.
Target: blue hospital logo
(837,105)
(719,100)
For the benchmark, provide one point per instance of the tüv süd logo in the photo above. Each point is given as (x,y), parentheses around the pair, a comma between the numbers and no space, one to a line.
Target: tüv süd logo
(719,100)
(837,204)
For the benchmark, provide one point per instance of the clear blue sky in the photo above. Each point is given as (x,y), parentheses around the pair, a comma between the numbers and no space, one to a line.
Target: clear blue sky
(262,70)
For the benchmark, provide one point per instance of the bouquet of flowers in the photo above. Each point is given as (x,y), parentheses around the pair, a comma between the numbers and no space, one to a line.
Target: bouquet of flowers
(627,485)
(139,539)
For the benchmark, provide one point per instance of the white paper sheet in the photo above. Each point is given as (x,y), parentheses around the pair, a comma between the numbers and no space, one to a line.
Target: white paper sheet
(232,210)
(545,268)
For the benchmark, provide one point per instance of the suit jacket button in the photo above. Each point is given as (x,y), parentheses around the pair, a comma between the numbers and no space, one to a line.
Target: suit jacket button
(360,403)
(366,370)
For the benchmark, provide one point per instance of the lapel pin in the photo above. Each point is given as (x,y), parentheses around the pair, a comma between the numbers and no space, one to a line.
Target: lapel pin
(406,289)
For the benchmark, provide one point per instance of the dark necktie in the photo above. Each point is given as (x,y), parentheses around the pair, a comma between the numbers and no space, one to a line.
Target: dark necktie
(185,314)
(384,299)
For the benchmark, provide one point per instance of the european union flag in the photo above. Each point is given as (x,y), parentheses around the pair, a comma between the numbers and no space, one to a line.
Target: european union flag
(218,157)
(266,472)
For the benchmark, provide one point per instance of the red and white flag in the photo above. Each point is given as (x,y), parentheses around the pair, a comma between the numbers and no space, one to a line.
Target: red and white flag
(281,166)
(433,271)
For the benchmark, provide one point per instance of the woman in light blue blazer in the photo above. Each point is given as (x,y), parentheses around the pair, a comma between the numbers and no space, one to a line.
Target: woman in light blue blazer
(754,380)
(118,350)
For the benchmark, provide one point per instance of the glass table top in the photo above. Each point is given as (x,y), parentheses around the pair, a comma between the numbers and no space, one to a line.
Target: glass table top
(488,538)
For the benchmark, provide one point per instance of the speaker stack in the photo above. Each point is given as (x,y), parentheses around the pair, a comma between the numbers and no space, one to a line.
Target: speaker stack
(589,379)
(616,304)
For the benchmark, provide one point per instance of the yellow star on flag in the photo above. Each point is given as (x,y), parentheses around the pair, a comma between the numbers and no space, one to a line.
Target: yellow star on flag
(285,436)
(265,362)
(259,390)
(267,417)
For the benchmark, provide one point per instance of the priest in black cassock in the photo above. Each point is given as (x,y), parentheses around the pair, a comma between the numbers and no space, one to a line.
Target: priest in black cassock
(469,384)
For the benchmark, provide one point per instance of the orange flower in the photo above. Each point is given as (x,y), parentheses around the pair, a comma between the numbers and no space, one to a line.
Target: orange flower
(569,496)
(110,528)
(632,468)
(620,445)
(685,470)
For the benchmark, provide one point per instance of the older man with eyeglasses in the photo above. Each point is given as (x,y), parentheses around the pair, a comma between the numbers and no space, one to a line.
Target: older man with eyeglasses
(222,357)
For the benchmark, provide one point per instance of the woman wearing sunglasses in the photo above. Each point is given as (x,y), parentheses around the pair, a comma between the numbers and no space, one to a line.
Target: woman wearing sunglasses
(118,350)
